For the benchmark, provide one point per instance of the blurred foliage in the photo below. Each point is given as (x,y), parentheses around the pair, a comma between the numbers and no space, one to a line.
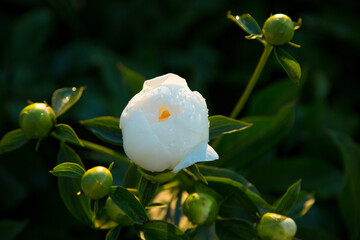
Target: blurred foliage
(314,135)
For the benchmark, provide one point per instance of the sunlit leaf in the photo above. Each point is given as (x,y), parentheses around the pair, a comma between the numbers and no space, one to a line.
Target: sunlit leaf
(70,188)
(223,125)
(233,229)
(68,169)
(12,140)
(289,64)
(223,172)
(194,170)
(63,99)
(64,132)
(102,221)
(105,128)
(249,25)
(129,204)
(304,202)
(289,199)
(161,230)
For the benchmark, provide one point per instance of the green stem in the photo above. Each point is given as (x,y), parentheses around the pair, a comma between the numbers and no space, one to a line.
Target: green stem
(244,97)
(104,150)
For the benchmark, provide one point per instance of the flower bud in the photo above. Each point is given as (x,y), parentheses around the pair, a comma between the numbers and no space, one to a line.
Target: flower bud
(274,226)
(201,208)
(166,127)
(96,182)
(278,29)
(116,214)
(37,120)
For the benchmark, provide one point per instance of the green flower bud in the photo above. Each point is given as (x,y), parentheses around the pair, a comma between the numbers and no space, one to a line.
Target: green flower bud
(201,208)
(274,226)
(116,214)
(278,29)
(96,182)
(37,120)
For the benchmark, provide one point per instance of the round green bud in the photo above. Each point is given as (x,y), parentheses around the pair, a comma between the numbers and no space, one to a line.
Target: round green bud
(116,214)
(96,182)
(273,226)
(201,208)
(37,120)
(278,29)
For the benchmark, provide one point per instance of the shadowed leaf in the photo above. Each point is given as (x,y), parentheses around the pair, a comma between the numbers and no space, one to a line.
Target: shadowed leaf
(105,128)
(12,140)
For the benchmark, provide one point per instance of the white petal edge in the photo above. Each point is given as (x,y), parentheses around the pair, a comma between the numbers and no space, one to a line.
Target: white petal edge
(203,153)
(167,79)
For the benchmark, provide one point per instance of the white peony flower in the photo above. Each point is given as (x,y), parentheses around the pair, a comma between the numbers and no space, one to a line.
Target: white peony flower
(165,126)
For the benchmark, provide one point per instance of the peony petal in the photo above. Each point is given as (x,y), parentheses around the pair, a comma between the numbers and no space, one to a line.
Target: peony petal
(168,79)
(203,153)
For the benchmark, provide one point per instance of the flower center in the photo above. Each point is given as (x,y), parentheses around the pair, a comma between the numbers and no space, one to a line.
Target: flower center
(163,114)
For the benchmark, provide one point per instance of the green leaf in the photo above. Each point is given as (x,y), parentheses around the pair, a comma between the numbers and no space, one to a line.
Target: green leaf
(289,199)
(102,221)
(90,57)
(129,204)
(222,125)
(131,176)
(195,172)
(64,132)
(135,80)
(249,25)
(264,134)
(70,188)
(12,140)
(147,190)
(304,203)
(161,230)
(113,234)
(68,169)
(63,99)
(233,229)
(30,32)
(105,128)
(350,195)
(10,229)
(223,172)
(319,176)
(248,200)
(270,99)
(289,64)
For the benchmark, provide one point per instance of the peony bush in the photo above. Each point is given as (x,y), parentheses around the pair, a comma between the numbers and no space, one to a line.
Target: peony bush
(166,169)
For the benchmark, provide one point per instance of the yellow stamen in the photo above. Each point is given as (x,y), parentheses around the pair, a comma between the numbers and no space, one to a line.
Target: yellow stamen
(163,114)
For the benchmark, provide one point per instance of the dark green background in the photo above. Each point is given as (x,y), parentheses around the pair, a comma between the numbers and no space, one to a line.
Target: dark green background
(45,45)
